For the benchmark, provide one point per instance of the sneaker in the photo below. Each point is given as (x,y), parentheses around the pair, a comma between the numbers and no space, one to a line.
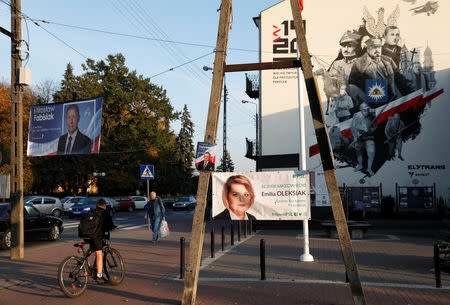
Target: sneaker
(401,158)
(100,280)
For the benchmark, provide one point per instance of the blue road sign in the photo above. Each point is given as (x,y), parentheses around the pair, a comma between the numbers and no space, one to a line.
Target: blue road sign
(147,172)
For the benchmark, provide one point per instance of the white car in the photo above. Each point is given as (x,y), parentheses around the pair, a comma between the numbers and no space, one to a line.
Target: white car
(139,201)
(70,202)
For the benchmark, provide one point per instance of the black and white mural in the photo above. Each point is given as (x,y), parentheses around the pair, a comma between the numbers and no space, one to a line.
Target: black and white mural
(377,89)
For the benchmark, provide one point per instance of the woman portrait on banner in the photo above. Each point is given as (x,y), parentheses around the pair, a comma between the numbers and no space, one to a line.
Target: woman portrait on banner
(237,197)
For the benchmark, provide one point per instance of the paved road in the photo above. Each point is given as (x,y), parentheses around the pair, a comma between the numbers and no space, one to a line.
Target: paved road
(395,268)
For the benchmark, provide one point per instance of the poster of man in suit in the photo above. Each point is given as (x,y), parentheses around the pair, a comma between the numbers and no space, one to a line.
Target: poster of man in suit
(65,128)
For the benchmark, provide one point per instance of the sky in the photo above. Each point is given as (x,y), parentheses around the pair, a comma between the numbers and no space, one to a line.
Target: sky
(192,25)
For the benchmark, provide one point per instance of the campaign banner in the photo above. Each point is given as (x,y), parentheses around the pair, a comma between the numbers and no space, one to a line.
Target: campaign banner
(65,128)
(283,195)
(205,156)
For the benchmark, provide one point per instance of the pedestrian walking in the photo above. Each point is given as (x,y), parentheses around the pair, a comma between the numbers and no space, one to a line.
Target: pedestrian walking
(156,211)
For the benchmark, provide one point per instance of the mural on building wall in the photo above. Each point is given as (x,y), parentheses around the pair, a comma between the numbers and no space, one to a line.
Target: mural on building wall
(377,90)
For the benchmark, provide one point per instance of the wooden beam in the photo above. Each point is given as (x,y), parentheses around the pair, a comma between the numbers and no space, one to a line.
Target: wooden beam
(285,64)
(6,32)
(198,224)
(326,154)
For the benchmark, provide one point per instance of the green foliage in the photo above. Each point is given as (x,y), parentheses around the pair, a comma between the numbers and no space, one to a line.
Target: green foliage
(136,118)
(226,164)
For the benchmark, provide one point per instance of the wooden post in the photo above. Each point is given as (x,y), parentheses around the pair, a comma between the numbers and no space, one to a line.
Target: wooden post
(16,165)
(327,157)
(198,225)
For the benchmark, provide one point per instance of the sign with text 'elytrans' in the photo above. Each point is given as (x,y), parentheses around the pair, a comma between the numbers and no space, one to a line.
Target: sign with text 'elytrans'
(147,172)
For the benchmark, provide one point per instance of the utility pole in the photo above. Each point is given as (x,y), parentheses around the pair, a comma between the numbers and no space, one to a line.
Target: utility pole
(16,165)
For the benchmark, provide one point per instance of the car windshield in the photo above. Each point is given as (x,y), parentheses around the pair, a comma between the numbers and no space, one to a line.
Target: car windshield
(183,199)
(31,211)
(88,200)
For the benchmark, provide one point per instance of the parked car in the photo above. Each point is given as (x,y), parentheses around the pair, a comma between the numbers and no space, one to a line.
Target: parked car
(169,201)
(64,199)
(125,203)
(139,202)
(35,223)
(185,203)
(86,204)
(71,201)
(46,204)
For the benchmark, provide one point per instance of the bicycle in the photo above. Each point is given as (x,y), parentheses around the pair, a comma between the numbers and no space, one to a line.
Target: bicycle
(73,272)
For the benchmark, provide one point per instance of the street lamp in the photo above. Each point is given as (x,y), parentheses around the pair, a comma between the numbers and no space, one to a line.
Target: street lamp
(256,114)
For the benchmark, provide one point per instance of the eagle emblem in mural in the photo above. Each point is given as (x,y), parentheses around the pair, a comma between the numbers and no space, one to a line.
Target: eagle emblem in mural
(377,90)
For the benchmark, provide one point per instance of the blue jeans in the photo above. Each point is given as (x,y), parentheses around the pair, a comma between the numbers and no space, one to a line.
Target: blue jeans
(155,223)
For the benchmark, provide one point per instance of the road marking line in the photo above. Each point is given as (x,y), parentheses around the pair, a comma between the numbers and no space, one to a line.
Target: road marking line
(131,228)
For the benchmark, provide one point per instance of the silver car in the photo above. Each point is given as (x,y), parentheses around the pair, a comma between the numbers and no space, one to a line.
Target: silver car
(139,201)
(46,204)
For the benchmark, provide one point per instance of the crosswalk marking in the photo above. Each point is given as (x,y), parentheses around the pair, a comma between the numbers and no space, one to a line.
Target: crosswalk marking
(69,225)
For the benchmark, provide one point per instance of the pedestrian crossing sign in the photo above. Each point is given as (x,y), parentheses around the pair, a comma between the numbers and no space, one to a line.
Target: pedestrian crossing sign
(147,172)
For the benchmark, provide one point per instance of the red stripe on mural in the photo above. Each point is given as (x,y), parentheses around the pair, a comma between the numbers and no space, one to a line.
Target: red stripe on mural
(414,103)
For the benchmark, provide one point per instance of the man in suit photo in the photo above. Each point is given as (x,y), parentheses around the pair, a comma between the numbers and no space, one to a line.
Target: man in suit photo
(206,164)
(73,142)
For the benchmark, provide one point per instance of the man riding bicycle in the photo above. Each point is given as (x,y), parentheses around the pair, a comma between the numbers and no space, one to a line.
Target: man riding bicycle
(105,224)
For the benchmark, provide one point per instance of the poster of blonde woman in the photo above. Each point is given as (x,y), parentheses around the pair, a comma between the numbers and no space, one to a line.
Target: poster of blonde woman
(282,195)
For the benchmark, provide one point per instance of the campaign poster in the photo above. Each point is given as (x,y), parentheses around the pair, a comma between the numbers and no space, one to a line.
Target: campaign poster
(65,128)
(205,156)
(283,195)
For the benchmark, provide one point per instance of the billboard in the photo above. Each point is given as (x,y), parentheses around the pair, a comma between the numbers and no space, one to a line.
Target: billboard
(383,75)
(281,195)
(65,128)
(205,156)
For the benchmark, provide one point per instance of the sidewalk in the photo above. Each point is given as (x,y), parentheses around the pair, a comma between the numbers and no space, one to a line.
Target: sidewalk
(394,269)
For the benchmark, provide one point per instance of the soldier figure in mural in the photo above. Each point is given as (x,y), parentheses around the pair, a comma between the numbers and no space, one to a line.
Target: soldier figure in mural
(363,127)
(391,47)
(393,131)
(374,65)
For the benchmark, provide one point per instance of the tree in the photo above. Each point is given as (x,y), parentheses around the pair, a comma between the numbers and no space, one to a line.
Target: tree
(226,164)
(184,152)
(5,132)
(44,91)
(136,116)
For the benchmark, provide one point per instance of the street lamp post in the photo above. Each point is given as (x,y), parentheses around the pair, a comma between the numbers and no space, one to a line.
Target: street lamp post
(256,114)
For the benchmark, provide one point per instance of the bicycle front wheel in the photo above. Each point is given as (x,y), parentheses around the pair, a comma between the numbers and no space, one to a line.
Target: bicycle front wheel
(113,266)
(73,276)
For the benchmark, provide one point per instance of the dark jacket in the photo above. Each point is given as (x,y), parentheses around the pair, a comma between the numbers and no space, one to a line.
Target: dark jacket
(209,167)
(106,222)
(81,144)
(225,214)
(157,206)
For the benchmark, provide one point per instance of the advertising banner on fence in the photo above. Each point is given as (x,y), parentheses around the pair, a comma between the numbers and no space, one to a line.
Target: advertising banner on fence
(261,196)
(65,128)
(205,157)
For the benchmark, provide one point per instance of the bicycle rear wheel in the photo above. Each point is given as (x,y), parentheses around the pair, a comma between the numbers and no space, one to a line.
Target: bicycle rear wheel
(113,266)
(73,276)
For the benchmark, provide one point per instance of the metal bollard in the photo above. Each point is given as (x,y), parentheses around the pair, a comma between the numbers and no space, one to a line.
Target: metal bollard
(262,258)
(239,230)
(232,234)
(213,243)
(182,258)
(245,228)
(251,227)
(437,267)
(223,238)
